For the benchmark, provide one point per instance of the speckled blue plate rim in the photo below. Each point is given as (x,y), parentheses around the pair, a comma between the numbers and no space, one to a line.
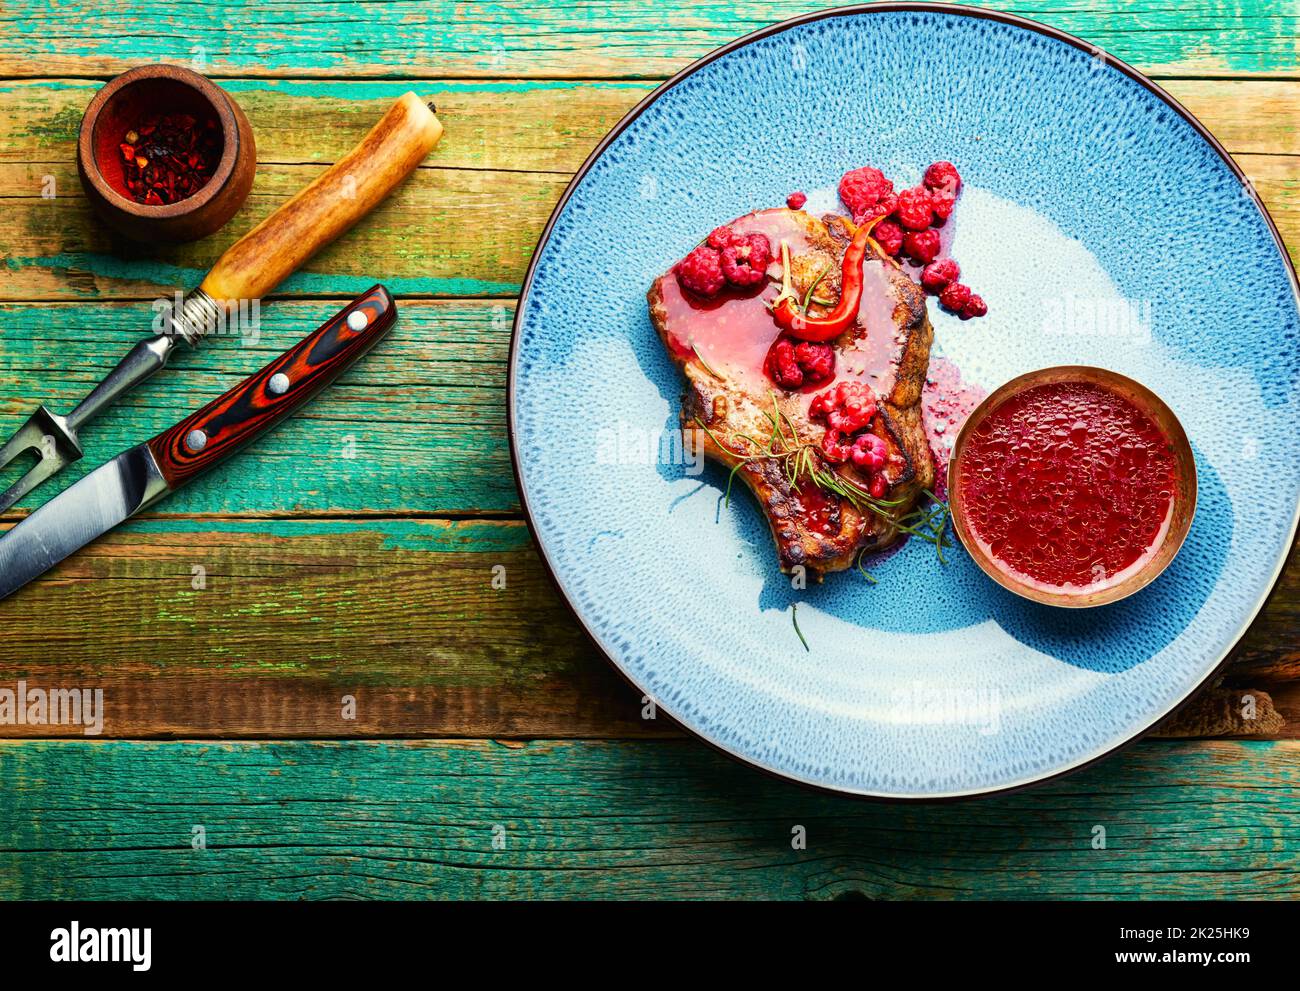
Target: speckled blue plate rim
(951,9)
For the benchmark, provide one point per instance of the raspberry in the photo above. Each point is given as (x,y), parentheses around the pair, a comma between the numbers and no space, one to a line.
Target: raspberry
(889,236)
(817,361)
(781,366)
(915,208)
(869,452)
(855,410)
(975,307)
(884,207)
(792,364)
(795,201)
(822,404)
(867,193)
(922,246)
(859,187)
(744,260)
(721,237)
(942,176)
(847,409)
(943,206)
(701,271)
(835,447)
(936,276)
(954,297)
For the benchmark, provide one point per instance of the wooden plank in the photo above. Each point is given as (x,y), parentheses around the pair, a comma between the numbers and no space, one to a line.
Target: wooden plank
(416,427)
(1285,696)
(522,125)
(295,614)
(403,615)
(1257,117)
(515,125)
(652,819)
(463,225)
(583,39)
(443,232)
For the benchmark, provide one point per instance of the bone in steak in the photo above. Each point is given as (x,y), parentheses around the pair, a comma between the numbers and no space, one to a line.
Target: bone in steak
(721,345)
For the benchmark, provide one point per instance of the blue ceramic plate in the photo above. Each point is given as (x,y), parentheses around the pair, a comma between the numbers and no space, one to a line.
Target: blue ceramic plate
(1103,225)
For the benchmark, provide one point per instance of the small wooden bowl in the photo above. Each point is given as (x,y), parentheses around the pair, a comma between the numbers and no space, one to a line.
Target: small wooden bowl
(117,108)
(1184,492)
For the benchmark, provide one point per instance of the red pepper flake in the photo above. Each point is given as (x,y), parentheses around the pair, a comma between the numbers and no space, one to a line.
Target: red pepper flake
(168,157)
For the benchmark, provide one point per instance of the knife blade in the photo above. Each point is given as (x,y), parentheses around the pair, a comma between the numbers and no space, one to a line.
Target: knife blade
(136,479)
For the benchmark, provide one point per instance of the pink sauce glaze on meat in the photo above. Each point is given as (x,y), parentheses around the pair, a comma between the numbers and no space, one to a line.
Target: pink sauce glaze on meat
(733,331)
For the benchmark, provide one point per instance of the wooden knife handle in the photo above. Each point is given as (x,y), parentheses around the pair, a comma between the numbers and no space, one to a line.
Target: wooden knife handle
(258,403)
(346,192)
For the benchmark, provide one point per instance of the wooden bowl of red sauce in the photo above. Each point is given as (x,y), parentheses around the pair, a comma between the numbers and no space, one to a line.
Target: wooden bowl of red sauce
(1072,486)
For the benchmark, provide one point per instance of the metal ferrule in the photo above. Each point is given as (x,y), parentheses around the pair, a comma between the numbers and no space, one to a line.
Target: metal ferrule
(199,315)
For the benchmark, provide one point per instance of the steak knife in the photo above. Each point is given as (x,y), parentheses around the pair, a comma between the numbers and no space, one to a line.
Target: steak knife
(140,477)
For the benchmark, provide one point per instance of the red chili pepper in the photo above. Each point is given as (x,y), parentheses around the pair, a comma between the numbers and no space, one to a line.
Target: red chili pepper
(845,312)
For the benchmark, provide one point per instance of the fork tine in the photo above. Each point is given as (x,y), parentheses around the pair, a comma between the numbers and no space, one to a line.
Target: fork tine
(42,470)
(27,436)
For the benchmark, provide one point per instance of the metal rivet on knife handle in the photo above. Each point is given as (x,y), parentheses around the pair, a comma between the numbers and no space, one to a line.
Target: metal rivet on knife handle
(249,409)
(357,320)
(138,478)
(279,384)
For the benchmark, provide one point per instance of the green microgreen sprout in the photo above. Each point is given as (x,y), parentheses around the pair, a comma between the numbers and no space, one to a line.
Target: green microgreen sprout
(808,296)
(863,571)
(707,367)
(794,618)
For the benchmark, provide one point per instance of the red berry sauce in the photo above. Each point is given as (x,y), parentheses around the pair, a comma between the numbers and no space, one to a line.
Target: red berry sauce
(1068,486)
(947,400)
(820,511)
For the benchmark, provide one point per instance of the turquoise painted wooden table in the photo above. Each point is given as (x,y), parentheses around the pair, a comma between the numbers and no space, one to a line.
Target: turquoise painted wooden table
(344,701)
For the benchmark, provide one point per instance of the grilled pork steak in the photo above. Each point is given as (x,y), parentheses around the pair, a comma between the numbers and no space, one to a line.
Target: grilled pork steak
(721,345)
